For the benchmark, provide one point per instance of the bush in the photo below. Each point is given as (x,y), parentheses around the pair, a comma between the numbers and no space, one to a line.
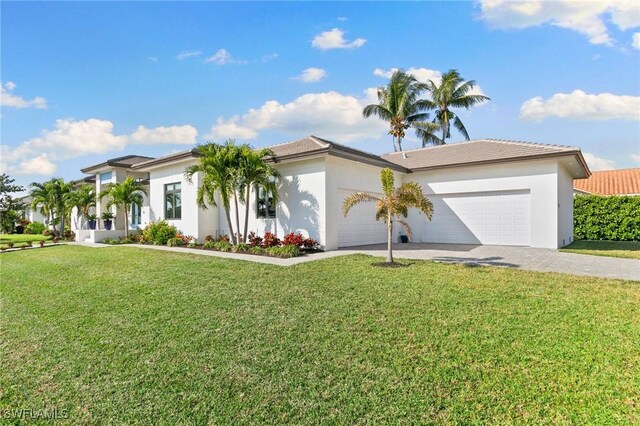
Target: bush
(10,244)
(186,239)
(124,240)
(209,244)
(223,238)
(288,250)
(47,232)
(240,248)
(293,239)
(597,217)
(35,228)
(208,238)
(223,245)
(270,240)
(69,235)
(254,240)
(256,250)
(310,244)
(159,233)
(175,242)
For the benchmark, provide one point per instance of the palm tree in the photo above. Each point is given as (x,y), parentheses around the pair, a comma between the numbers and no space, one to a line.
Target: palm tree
(452,92)
(255,171)
(399,104)
(218,166)
(124,194)
(393,203)
(51,196)
(82,198)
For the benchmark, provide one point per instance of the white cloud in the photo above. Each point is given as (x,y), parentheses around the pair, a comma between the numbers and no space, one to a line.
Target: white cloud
(76,138)
(585,17)
(269,57)
(311,75)
(328,114)
(334,39)
(636,41)
(635,158)
(342,18)
(223,57)
(183,135)
(582,106)
(8,99)
(187,54)
(152,58)
(230,129)
(423,75)
(597,163)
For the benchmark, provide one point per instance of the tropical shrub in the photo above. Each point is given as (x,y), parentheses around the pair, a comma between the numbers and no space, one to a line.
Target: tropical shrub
(35,228)
(223,237)
(270,240)
(47,232)
(175,242)
(69,235)
(159,233)
(208,238)
(41,243)
(254,240)
(222,245)
(293,239)
(240,248)
(256,250)
(285,251)
(209,244)
(186,239)
(10,244)
(310,244)
(597,217)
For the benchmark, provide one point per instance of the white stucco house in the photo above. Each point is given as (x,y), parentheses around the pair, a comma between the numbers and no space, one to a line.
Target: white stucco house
(484,192)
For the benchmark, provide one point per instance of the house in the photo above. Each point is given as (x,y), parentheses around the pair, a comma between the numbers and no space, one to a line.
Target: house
(483,191)
(610,182)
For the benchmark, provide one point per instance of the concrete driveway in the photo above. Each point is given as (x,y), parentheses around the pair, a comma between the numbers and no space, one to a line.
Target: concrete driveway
(533,259)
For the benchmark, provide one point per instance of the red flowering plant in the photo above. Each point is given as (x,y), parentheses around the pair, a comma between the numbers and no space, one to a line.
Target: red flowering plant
(310,244)
(254,240)
(186,239)
(293,239)
(270,240)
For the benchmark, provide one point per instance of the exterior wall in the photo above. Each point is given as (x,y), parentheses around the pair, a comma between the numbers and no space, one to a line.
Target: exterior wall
(539,177)
(195,221)
(300,207)
(565,206)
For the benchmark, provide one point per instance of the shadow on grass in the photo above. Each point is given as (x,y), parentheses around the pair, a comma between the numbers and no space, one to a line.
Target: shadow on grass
(476,261)
(391,265)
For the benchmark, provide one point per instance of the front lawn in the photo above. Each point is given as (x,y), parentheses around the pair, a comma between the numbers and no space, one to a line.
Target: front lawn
(121,335)
(628,249)
(21,238)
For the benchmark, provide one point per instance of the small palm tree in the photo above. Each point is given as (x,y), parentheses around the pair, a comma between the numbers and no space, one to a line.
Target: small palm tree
(124,194)
(400,105)
(392,205)
(82,198)
(452,92)
(218,166)
(51,196)
(255,171)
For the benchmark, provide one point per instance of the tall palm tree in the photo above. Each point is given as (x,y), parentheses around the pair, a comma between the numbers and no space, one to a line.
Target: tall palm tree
(51,196)
(218,166)
(452,92)
(124,194)
(392,205)
(82,198)
(399,104)
(255,171)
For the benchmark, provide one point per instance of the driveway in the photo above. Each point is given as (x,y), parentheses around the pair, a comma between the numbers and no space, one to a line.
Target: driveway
(533,259)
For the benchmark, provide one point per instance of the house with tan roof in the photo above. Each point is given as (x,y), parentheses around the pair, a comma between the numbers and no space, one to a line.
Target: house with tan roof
(610,182)
(484,192)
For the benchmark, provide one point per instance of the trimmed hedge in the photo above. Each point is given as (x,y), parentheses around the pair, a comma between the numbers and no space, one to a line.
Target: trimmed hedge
(615,218)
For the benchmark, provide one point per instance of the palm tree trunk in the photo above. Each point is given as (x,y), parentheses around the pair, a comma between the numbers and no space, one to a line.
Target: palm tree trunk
(399,143)
(246,213)
(62,223)
(228,215)
(389,239)
(235,202)
(126,221)
(394,144)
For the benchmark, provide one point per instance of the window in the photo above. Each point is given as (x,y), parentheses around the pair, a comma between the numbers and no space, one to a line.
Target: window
(173,201)
(266,206)
(105,177)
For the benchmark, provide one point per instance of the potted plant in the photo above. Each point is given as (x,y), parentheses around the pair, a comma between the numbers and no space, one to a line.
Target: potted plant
(41,243)
(91,221)
(107,220)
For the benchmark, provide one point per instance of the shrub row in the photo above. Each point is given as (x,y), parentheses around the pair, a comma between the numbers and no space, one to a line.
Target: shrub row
(597,217)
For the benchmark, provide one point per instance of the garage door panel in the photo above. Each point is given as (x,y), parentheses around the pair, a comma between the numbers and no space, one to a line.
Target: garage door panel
(500,218)
(360,227)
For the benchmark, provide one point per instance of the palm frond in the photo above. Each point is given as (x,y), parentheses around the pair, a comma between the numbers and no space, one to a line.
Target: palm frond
(357,198)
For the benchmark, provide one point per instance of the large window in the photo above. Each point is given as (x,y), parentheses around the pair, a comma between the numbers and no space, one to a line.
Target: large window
(173,201)
(266,203)
(105,177)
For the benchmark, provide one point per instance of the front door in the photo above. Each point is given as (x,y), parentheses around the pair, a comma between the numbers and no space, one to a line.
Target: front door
(135,216)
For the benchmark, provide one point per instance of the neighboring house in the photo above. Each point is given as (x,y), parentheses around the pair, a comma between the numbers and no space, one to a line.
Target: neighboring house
(31,214)
(610,182)
(483,192)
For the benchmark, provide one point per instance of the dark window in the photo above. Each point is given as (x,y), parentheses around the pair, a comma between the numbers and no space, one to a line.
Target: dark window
(266,206)
(173,201)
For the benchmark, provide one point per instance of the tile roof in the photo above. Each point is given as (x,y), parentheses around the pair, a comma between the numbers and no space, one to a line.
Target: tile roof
(475,151)
(611,182)
(125,162)
(169,158)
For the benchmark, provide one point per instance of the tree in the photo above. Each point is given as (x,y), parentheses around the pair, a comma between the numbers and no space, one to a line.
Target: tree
(82,198)
(51,197)
(218,167)
(255,171)
(123,195)
(393,204)
(10,207)
(400,105)
(452,92)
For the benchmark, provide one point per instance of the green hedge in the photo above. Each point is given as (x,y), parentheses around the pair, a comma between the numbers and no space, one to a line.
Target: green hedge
(615,218)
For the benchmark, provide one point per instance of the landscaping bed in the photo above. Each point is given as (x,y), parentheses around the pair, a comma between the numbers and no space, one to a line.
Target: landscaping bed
(624,249)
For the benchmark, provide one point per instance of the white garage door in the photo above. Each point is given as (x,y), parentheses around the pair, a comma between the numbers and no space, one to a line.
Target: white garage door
(360,226)
(499,218)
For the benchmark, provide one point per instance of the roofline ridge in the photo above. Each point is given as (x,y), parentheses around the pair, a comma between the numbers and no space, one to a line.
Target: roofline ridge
(436,146)
(616,170)
(544,145)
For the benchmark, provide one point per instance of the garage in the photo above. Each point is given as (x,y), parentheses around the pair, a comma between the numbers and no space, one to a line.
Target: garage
(360,227)
(497,218)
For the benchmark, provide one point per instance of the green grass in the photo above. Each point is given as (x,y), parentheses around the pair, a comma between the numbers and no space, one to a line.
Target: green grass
(20,240)
(121,335)
(627,249)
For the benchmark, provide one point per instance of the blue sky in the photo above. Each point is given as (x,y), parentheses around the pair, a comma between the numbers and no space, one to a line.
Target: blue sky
(83,82)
